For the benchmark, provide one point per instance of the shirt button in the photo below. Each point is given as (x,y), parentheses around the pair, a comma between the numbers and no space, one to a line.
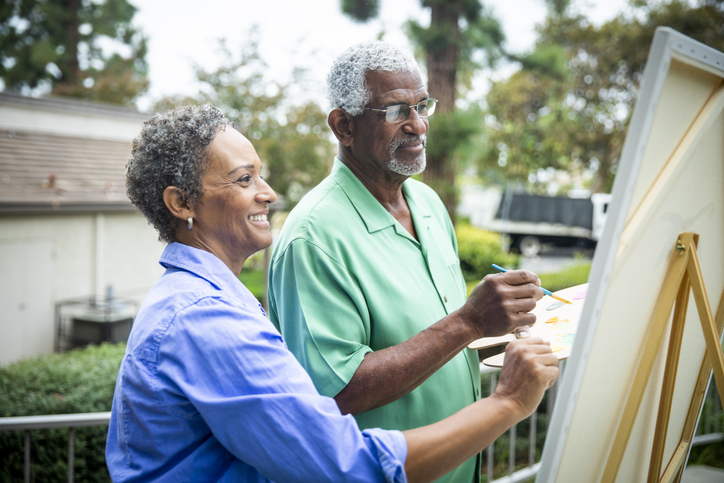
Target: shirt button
(444,297)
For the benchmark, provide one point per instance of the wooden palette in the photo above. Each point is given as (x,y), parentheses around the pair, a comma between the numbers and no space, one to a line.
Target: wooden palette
(556,323)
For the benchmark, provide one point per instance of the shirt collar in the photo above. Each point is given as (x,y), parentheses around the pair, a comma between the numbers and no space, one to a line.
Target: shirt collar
(201,263)
(374,215)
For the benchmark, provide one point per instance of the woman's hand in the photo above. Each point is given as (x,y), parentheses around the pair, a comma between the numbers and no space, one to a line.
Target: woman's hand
(529,369)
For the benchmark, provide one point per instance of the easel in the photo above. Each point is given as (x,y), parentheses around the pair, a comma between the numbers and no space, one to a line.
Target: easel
(684,276)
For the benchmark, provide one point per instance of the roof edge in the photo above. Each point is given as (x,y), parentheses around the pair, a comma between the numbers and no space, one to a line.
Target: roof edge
(44,208)
(65,105)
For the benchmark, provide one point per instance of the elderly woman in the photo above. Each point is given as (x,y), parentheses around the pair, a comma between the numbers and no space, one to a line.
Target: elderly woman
(207,390)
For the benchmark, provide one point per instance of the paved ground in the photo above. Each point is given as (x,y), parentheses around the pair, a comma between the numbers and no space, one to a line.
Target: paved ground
(702,474)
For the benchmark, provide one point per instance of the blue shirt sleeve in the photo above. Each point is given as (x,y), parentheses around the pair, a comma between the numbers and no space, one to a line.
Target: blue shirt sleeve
(229,364)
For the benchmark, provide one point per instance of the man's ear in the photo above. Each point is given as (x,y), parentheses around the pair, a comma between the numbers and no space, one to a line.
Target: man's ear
(342,125)
(175,201)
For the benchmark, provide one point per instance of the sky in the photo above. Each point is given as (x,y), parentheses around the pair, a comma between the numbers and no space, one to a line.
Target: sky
(299,33)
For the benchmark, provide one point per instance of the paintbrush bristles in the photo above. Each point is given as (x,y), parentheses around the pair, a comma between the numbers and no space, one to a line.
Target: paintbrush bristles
(561,299)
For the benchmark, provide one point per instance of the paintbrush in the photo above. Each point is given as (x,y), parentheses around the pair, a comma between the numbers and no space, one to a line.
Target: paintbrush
(524,332)
(545,291)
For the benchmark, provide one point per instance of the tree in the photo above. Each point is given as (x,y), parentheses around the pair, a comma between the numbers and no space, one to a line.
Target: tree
(292,139)
(579,122)
(63,46)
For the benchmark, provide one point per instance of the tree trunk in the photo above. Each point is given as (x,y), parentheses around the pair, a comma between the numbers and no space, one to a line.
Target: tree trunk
(442,59)
(71,74)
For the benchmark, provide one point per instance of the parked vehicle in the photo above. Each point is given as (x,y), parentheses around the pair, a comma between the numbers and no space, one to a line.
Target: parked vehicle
(530,221)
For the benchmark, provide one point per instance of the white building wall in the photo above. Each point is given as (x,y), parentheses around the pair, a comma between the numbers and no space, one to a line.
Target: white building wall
(48,258)
(26,273)
(131,251)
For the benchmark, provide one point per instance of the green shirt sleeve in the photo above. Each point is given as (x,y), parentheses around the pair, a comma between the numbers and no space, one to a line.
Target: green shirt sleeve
(324,317)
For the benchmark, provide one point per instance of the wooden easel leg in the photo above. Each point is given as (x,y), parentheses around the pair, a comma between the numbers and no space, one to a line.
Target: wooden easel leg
(657,328)
(713,348)
(667,389)
(697,399)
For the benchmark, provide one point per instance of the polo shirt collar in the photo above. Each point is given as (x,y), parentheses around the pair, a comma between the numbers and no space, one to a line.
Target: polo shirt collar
(374,215)
(201,263)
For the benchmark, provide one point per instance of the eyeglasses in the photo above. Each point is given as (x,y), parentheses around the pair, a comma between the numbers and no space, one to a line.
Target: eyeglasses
(400,112)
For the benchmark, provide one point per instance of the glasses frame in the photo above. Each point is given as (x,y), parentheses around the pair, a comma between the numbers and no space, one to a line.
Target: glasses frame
(409,109)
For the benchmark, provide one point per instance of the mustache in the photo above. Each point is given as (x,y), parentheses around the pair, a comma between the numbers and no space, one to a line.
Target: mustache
(408,139)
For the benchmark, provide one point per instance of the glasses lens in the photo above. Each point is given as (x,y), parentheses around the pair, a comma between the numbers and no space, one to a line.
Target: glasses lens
(426,107)
(397,113)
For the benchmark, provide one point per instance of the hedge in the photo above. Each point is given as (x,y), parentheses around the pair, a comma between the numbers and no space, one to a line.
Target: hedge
(79,381)
(478,249)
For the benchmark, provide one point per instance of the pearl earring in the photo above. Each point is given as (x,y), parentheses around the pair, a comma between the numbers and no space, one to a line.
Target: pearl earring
(191,223)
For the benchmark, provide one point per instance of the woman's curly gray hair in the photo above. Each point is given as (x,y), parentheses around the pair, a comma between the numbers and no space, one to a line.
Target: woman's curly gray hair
(346,86)
(170,151)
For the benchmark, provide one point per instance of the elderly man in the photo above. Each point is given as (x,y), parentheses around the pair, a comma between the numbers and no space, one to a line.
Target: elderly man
(365,282)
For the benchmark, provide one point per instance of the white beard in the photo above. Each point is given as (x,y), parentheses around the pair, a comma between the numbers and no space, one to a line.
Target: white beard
(416,166)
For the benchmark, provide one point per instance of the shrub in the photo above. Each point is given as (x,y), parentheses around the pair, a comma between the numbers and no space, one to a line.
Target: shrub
(79,381)
(478,250)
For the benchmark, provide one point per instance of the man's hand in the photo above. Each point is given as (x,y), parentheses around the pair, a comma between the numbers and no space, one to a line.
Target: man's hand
(501,302)
(498,305)
(529,369)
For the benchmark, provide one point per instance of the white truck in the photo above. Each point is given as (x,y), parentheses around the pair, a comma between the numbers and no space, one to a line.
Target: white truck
(530,221)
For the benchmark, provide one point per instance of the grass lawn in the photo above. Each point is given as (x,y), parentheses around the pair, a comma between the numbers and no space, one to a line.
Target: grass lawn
(575,274)
(254,281)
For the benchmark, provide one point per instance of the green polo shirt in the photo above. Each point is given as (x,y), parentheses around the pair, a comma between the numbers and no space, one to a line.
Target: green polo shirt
(346,279)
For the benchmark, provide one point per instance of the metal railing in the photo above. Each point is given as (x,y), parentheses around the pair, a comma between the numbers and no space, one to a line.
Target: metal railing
(70,421)
(710,426)
(531,470)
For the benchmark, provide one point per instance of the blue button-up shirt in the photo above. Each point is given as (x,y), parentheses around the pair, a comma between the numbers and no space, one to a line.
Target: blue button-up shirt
(207,391)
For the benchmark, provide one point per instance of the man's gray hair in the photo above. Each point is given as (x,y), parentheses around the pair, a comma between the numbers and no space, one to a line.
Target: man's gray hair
(346,86)
(171,150)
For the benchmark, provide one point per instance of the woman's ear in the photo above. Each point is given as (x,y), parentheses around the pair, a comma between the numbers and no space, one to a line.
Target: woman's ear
(342,125)
(176,202)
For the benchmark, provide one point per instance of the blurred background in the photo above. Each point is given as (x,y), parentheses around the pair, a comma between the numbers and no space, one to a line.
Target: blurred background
(534,96)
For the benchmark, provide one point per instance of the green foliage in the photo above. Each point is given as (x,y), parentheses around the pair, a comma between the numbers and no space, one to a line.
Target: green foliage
(451,131)
(449,137)
(63,46)
(254,281)
(79,381)
(463,31)
(478,250)
(708,455)
(361,10)
(577,123)
(558,7)
(549,60)
(291,138)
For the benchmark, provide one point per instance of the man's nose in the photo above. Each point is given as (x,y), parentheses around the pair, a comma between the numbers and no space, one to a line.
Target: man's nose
(415,123)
